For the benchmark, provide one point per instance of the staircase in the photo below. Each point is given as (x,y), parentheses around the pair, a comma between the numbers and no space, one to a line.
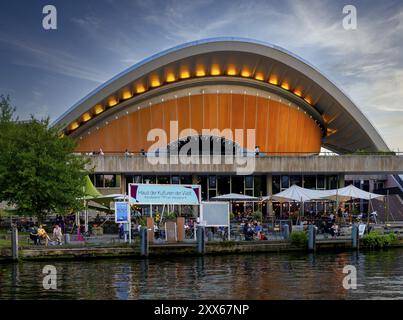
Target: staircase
(395,209)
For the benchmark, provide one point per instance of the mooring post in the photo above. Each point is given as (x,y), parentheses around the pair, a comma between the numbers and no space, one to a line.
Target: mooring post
(355,237)
(311,238)
(67,238)
(201,241)
(14,243)
(286,231)
(143,241)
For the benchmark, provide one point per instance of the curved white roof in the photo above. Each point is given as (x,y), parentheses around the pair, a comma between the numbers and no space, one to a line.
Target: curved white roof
(268,67)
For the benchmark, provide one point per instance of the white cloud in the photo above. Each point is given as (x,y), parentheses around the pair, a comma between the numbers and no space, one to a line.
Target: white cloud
(54,61)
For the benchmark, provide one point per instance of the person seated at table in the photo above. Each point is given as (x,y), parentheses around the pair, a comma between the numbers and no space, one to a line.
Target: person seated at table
(263,236)
(43,235)
(258,229)
(33,235)
(334,230)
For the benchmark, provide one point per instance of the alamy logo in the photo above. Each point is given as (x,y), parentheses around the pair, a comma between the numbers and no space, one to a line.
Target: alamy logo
(50,279)
(350,280)
(210,146)
(350,20)
(49,22)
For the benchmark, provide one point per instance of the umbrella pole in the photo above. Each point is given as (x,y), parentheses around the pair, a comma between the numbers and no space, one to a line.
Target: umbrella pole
(86,216)
(386,205)
(369,210)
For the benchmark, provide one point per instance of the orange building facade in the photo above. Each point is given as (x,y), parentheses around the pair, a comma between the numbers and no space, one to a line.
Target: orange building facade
(279,126)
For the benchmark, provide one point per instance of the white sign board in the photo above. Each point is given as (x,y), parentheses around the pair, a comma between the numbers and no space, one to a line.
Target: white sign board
(215,214)
(122,212)
(175,194)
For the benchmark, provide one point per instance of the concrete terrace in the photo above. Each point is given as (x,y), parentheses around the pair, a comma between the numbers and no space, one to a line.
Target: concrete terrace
(348,164)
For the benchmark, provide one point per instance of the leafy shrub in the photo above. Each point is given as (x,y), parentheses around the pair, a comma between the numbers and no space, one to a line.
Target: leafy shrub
(258,216)
(376,240)
(170,216)
(231,216)
(299,238)
(142,221)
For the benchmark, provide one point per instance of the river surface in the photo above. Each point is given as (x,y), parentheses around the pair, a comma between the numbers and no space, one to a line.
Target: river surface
(257,276)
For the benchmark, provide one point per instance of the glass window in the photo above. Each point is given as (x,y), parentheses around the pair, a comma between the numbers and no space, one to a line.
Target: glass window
(348,182)
(259,183)
(332,182)
(212,193)
(117,179)
(223,184)
(202,180)
(237,184)
(296,180)
(110,180)
(285,182)
(276,184)
(175,180)
(129,179)
(310,182)
(186,180)
(249,192)
(163,179)
(99,180)
(366,185)
(248,182)
(92,178)
(320,182)
(149,179)
(212,182)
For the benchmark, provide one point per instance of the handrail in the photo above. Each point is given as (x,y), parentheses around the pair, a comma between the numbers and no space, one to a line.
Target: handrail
(261,154)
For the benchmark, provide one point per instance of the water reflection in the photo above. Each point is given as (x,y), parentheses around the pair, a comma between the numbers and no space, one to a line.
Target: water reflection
(258,276)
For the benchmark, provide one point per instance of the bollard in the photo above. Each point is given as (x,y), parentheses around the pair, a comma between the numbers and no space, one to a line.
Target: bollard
(201,241)
(355,237)
(66,238)
(14,244)
(210,235)
(311,238)
(286,231)
(144,241)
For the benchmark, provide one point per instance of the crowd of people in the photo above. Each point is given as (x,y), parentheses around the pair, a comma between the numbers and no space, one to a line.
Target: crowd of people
(39,235)
(253,230)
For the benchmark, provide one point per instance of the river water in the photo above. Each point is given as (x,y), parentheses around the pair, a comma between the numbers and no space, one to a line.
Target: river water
(257,276)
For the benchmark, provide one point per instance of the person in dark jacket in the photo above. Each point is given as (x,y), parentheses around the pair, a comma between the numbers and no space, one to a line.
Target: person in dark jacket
(33,235)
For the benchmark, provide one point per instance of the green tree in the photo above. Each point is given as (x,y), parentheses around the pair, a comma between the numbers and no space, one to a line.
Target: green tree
(39,174)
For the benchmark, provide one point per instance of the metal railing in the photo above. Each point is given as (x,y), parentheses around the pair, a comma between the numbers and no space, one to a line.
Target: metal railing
(261,154)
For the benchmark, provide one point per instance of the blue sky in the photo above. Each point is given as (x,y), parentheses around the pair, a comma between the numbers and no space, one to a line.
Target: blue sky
(46,72)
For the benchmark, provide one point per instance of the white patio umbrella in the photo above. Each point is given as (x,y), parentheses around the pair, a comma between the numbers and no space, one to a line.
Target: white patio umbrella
(351,192)
(235,197)
(296,193)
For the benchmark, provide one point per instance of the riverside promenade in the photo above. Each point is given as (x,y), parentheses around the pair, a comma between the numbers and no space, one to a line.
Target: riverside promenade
(100,250)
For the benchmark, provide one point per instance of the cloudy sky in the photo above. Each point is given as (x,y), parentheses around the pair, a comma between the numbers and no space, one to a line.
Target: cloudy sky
(46,72)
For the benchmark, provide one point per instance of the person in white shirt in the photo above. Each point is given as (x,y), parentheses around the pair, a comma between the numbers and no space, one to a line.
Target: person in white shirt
(57,234)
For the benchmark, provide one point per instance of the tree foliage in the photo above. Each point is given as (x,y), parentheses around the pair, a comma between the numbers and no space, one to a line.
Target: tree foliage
(39,174)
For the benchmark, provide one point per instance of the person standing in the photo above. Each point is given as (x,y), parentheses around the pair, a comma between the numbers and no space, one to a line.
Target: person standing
(57,234)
